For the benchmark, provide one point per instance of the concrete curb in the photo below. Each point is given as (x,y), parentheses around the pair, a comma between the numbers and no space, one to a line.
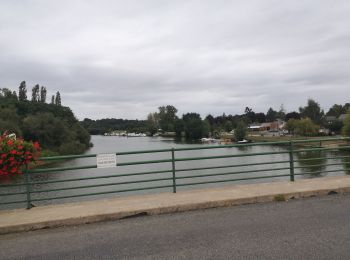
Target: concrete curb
(118,208)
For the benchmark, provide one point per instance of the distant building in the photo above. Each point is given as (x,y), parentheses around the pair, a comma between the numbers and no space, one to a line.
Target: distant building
(330,119)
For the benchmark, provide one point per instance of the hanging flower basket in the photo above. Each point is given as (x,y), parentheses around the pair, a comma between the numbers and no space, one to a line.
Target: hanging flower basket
(15,154)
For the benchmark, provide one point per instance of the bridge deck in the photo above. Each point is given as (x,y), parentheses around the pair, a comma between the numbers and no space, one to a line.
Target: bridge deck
(121,207)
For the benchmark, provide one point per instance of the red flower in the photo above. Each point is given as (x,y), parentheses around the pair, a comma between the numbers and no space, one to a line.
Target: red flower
(10,142)
(36,145)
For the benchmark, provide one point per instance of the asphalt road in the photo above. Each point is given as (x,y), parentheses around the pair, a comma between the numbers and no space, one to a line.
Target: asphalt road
(314,228)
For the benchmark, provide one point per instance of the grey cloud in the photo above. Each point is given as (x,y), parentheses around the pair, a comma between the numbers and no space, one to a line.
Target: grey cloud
(126,58)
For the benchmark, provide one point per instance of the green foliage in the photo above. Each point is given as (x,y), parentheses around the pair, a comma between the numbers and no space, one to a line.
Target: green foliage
(193,126)
(152,123)
(312,111)
(271,115)
(346,127)
(43,94)
(179,127)
(337,110)
(22,93)
(292,125)
(241,131)
(101,126)
(167,117)
(305,127)
(58,99)
(55,127)
(35,93)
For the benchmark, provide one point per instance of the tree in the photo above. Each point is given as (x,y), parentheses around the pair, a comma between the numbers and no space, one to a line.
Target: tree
(240,131)
(179,127)
(260,117)
(167,117)
(152,123)
(281,114)
(292,125)
(35,93)
(22,92)
(271,115)
(336,110)
(58,99)
(306,127)
(292,115)
(312,111)
(193,126)
(43,94)
(53,99)
(346,127)
(228,126)
(249,113)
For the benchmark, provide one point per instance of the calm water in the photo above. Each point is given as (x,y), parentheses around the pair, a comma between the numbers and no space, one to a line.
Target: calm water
(111,144)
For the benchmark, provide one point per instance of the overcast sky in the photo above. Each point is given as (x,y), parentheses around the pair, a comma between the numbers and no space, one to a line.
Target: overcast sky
(123,59)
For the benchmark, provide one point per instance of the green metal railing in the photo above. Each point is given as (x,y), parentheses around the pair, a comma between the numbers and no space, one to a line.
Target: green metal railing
(172,170)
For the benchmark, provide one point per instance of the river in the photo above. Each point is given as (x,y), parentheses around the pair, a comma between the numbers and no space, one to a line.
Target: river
(112,144)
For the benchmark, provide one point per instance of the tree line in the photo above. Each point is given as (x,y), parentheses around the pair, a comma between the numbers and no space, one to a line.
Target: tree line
(307,121)
(51,124)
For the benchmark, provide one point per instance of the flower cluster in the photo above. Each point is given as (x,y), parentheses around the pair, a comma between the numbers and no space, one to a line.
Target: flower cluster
(16,153)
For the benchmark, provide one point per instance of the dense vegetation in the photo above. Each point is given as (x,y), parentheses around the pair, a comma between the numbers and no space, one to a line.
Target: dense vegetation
(101,126)
(306,122)
(52,125)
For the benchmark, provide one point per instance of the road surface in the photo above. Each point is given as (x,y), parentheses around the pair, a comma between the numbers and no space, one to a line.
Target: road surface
(314,228)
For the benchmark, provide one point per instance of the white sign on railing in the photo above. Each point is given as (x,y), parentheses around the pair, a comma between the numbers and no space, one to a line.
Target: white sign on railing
(106,160)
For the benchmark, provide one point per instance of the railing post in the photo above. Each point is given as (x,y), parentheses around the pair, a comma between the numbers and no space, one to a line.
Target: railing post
(291,161)
(173,169)
(27,182)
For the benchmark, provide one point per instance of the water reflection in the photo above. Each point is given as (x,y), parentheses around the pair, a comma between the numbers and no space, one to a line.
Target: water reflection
(312,162)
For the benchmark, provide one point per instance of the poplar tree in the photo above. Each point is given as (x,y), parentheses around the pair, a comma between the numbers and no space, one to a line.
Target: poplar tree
(35,93)
(58,99)
(22,93)
(43,94)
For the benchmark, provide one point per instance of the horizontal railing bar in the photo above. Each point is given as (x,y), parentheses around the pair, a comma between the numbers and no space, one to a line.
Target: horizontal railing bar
(323,158)
(64,157)
(144,162)
(62,169)
(321,140)
(319,165)
(229,166)
(227,156)
(102,185)
(311,173)
(13,202)
(336,149)
(101,193)
(12,194)
(229,146)
(102,177)
(230,180)
(230,173)
(144,151)
(11,185)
